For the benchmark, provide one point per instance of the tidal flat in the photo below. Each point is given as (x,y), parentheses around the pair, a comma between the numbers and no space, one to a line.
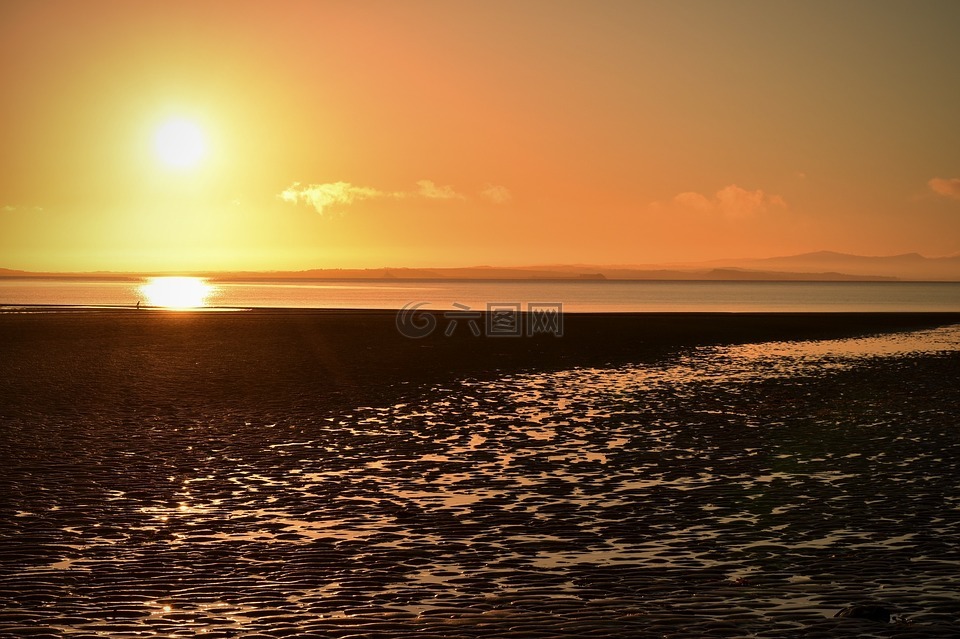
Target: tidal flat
(288,474)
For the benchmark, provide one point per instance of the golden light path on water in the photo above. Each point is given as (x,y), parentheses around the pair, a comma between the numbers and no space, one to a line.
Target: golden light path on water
(176,293)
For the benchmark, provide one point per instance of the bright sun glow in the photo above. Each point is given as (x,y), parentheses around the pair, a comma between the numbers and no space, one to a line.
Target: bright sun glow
(180,143)
(176,292)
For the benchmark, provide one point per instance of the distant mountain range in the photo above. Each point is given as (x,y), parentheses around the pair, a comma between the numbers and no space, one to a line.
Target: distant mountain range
(907,266)
(822,266)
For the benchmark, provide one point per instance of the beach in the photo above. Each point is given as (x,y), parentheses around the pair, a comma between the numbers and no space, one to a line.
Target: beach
(271,473)
(277,363)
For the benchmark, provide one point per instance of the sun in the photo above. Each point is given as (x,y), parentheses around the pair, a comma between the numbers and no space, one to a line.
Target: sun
(180,143)
(176,292)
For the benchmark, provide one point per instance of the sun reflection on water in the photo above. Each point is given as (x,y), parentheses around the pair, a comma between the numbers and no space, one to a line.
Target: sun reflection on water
(176,292)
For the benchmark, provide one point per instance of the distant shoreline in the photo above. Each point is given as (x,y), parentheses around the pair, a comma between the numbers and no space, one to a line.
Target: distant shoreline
(797,278)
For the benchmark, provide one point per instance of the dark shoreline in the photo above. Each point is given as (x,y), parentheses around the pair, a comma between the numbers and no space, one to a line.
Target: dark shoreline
(285,360)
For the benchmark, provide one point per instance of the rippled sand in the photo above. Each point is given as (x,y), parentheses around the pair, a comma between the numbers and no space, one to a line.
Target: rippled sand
(726,491)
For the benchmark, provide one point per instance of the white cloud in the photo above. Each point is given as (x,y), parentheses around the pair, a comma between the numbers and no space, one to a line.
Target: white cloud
(731,201)
(429,190)
(332,194)
(946,187)
(321,196)
(496,194)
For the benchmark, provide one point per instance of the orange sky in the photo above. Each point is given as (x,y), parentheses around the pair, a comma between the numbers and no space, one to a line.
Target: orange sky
(366,134)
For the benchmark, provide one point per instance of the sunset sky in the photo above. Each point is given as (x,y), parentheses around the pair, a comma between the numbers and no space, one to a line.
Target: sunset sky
(290,135)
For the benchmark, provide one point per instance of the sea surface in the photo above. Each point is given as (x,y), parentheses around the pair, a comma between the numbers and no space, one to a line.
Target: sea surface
(576,296)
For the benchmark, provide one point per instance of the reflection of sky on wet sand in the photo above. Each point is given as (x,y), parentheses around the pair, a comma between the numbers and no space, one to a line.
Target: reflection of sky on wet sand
(755,362)
(765,481)
(792,357)
(555,433)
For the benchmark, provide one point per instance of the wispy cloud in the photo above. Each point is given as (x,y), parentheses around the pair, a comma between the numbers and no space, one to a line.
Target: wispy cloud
(322,196)
(946,187)
(10,208)
(332,194)
(731,201)
(737,202)
(496,194)
(429,190)
(691,200)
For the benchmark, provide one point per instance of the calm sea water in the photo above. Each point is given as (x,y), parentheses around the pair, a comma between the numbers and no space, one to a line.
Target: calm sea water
(587,296)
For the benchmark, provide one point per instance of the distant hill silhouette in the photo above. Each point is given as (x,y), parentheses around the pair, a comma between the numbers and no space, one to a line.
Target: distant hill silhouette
(820,266)
(906,266)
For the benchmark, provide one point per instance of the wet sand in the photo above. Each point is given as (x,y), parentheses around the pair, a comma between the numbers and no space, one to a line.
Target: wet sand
(291,363)
(283,473)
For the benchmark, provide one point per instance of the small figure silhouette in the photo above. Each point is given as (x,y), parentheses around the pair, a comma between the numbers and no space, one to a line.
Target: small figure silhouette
(138,305)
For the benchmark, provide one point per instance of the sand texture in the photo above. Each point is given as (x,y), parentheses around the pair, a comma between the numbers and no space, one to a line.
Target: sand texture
(273,474)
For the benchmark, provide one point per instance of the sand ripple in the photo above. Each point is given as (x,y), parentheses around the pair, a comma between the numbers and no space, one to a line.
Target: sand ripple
(743,491)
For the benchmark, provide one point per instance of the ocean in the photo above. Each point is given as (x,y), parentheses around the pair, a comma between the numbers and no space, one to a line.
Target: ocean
(576,296)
